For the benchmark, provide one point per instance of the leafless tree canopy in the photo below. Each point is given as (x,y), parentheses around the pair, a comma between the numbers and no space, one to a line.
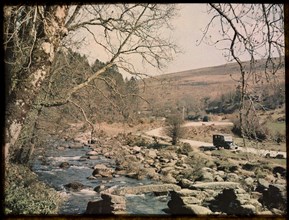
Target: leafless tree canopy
(249,31)
(34,34)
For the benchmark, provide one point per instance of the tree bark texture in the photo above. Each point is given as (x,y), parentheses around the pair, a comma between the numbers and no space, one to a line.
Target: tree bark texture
(49,33)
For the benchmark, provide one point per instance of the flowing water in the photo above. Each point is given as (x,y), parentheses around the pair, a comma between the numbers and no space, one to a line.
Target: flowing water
(46,166)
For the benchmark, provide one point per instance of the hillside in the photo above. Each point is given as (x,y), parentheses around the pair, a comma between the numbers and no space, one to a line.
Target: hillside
(191,86)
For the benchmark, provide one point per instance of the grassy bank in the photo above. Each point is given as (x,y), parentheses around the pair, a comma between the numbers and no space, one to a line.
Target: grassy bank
(25,194)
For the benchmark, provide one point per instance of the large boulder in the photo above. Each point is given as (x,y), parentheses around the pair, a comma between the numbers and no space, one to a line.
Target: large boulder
(215,185)
(185,183)
(102,170)
(280,170)
(262,185)
(168,179)
(206,177)
(187,202)
(151,153)
(198,210)
(275,197)
(110,204)
(74,186)
(155,188)
(233,202)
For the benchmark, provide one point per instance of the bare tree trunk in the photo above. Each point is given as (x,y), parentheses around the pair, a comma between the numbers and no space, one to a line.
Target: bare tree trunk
(49,34)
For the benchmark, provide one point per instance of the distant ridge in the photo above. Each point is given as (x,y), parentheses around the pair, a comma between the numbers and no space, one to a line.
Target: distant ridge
(212,70)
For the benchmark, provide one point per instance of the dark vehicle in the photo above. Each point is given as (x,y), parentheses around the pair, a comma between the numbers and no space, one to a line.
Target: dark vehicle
(223,141)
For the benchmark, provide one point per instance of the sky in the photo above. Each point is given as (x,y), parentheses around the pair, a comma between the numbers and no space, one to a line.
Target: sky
(188,26)
(188,30)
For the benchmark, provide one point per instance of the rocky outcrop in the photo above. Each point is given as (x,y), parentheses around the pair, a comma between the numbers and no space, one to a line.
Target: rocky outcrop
(262,185)
(156,188)
(275,197)
(110,204)
(215,185)
(279,170)
(234,202)
(187,202)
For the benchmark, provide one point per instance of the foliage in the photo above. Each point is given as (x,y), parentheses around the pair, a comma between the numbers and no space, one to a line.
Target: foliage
(196,164)
(173,127)
(185,149)
(252,128)
(133,140)
(25,194)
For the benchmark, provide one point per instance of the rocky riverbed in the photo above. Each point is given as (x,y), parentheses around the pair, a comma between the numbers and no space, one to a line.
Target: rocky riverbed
(126,174)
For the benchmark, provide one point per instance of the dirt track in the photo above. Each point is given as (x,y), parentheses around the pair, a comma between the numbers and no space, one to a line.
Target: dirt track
(158,133)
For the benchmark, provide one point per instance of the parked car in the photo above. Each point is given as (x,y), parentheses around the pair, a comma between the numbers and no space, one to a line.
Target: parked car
(224,141)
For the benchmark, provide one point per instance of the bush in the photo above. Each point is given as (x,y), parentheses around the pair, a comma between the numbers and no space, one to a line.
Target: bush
(24,194)
(206,118)
(173,127)
(252,128)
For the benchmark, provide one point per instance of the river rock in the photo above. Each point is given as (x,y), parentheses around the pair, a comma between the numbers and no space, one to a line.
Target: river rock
(232,177)
(197,210)
(215,185)
(76,145)
(185,183)
(131,158)
(166,170)
(218,179)
(102,170)
(99,188)
(185,202)
(92,153)
(136,149)
(155,188)
(151,153)
(96,157)
(64,165)
(151,173)
(74,186)
(110,204)
(168,179)
(205,177)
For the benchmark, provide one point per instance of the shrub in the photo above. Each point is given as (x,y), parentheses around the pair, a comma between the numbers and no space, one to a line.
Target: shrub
(206,118)
(24,194)
(196,164)
(252,128)
(173,127)
(185,149)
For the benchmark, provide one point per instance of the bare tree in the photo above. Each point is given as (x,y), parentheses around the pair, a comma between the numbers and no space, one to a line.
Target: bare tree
(33,34)
(249,31)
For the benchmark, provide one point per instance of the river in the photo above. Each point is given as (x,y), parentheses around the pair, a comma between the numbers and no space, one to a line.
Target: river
(46,166)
